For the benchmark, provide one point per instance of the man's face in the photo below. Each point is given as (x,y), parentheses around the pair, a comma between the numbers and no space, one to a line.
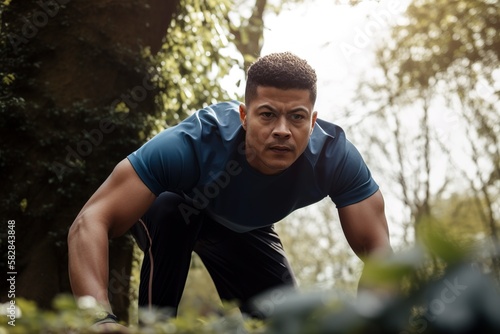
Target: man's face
(278,124)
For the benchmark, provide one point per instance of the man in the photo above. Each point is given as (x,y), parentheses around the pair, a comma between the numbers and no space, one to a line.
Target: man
(217,182)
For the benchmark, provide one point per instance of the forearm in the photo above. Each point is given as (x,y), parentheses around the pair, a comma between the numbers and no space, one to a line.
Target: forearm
(365,227)
(371,279)
(88,260)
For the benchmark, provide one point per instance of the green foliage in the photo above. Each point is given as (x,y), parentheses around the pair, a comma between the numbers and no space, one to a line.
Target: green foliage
(451,49)
(70,316)
(458,216)
(441,34)
(190,62)
(459,299)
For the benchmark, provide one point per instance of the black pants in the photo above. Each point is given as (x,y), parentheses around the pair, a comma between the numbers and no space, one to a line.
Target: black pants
(242,265)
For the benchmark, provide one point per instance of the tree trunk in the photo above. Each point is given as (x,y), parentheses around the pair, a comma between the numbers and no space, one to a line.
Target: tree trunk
(249,36)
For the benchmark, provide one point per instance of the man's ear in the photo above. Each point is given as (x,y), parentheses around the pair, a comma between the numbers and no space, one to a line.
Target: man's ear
(243,116)
(313,121)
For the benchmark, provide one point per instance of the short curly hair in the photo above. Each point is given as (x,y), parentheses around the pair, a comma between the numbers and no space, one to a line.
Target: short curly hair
(280,70)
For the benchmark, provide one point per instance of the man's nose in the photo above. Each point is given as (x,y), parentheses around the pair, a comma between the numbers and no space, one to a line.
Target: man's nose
(281,129)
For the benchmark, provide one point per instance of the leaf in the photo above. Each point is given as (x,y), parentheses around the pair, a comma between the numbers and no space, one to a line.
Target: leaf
(9,79)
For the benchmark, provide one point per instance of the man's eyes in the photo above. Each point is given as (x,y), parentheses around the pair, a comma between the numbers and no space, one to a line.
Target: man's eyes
(293,117)
(297,117)
(267,114)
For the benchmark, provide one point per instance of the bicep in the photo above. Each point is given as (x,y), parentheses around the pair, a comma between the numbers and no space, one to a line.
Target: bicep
(120,201)
(365,225)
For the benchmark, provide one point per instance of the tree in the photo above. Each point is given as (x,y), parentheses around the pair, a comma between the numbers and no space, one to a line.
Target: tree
(458,215)
(439,71)
(80,84)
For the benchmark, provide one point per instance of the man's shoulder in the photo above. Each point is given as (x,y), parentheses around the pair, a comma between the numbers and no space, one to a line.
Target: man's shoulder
(220,120)
(326,134)
(328,129)
(328,144)
(221,113)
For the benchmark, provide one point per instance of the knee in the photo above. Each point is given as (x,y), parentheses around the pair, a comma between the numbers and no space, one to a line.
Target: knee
(165,206)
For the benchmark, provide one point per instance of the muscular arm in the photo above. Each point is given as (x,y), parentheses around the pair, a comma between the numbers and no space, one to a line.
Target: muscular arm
(118,203)
(365,226)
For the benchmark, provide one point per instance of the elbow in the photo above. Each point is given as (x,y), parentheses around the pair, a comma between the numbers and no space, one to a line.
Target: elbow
(77,231)
(74,230)
(86,228)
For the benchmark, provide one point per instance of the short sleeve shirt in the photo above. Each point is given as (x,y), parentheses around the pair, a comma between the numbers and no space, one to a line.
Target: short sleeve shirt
(203,159)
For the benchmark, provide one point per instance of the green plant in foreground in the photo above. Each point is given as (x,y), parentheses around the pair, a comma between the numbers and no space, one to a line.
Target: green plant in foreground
(70,316)
(439,287)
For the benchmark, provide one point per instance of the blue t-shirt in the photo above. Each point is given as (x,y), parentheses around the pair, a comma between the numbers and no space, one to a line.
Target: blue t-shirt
(203,159)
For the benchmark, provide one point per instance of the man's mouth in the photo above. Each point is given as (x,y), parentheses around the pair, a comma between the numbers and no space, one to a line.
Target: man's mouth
(280,148)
